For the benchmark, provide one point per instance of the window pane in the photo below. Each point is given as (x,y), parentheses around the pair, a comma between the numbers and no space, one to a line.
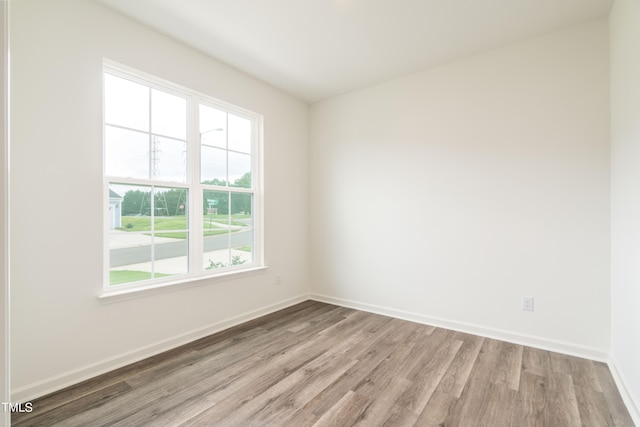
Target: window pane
(135,209)
(216,258)
(171,231)
(123,270)
(242,207)
(168,114)
(126,103)
(213,163)
(239,170)
(143,245)
(171,254)
(171,209)
(216,209)
(215,225)
(126,153)
(239,134)
(169,159)
(213,127)
(130,240)
(241,237)
(242,254)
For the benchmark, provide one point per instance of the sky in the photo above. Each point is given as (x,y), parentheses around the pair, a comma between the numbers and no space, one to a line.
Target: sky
(146,135)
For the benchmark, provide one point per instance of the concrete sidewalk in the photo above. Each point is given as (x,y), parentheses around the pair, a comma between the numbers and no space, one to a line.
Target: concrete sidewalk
(124,239)
(178,265)
(119,239)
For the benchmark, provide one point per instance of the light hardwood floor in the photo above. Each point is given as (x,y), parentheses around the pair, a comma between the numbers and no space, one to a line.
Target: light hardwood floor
(318,364)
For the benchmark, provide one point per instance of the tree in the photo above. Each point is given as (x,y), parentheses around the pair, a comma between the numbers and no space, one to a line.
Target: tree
(174,200)
(167,202)
(132,202)
(240,202)
(244,181)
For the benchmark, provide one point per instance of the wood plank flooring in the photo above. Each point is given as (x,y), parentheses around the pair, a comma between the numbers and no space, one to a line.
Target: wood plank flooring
(316,364)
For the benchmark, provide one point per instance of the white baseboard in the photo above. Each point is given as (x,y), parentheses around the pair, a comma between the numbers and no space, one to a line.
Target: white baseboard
(572,349)
(629,400)
(49,385)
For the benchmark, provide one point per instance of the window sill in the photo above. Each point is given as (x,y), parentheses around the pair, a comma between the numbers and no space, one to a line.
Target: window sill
(125,294)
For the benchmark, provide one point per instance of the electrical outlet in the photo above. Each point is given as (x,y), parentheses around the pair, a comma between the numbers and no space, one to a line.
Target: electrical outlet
(527,303)
(278,280)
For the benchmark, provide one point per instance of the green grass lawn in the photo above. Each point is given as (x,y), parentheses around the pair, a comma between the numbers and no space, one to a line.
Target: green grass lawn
(118,277)
(175,226)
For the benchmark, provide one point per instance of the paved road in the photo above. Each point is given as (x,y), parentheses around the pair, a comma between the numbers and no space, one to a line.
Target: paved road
(138,254)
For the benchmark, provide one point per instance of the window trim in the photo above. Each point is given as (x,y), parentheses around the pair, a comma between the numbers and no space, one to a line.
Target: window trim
(196,275)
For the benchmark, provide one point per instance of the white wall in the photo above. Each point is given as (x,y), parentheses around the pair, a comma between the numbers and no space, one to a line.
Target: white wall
(446,195)
(61,332)
(625,199)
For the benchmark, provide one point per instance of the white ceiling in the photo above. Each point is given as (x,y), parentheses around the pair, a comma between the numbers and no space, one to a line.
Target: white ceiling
(315,49)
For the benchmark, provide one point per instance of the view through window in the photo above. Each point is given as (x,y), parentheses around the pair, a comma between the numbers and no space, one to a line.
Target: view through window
(181,173)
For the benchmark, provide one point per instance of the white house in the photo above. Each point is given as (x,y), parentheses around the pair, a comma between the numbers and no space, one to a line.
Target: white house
(115,209)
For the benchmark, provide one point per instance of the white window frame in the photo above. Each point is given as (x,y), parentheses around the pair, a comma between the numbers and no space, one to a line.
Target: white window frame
(193,185)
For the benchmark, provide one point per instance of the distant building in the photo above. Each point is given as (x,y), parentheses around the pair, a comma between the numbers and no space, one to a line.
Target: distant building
(115,209)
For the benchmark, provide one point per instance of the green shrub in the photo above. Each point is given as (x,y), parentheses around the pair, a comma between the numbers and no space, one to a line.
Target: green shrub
(235,260)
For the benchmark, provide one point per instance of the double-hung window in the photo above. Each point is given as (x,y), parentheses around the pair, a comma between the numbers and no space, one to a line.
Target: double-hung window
(181,183)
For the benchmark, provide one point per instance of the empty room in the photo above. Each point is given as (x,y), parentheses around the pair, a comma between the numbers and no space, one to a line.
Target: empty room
(323,212)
